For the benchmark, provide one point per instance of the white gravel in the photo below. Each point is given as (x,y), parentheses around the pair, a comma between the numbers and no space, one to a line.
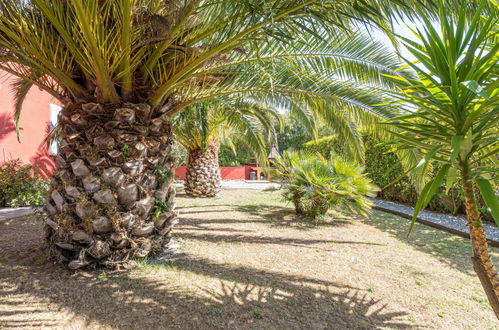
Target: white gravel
(242,184)
(9,213)
(447,220)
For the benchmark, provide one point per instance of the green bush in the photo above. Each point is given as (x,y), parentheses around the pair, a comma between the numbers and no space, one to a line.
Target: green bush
(314,184)
(20,185)
(326,146)
(227,157)
(383,167)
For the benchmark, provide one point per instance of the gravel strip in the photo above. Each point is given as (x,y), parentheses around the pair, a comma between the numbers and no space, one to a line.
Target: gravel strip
(454,224)
(9,213)
(242,184)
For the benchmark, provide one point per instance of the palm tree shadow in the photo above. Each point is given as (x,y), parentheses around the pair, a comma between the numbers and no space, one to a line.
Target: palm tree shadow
(362,311)
(446,247)
(245,297)
(279,216)
(42,160)
(7,126)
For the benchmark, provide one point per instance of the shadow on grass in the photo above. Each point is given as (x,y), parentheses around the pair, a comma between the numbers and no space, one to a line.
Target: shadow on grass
(285,216)
(194,293)
(306,243)
(446,247)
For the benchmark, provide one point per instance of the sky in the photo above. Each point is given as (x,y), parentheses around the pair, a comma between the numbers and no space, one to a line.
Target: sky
(401,29)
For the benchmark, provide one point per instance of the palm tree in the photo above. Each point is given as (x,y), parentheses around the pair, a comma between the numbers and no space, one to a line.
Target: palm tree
(339,96)
(123,68)
(314,183)
(203,127)
(455,123)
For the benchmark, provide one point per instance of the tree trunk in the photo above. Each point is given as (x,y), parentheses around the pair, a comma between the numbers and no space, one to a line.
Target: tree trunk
(482,262)
(297,195)
(111,198)
(203,178)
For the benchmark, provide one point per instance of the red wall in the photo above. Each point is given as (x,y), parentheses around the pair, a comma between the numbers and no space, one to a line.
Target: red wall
(228,173)
(34,125)
(180,172)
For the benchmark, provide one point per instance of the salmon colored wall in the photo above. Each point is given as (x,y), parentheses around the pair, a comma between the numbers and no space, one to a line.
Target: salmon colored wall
(180,172)
(233,173)
(34,125)
(228,173)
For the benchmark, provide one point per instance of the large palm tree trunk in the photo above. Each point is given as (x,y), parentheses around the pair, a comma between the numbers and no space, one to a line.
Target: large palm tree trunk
(203,178)
(111,198)
(482,262)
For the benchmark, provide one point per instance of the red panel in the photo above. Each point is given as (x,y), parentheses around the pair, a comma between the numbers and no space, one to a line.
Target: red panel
(233,173)
(34,124)
(228,173)
(180,172)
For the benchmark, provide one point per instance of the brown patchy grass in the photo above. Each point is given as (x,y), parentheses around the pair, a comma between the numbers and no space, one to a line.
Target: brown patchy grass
(250,264)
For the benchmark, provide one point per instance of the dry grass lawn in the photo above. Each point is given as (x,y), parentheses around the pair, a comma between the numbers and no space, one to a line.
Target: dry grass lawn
(249,264)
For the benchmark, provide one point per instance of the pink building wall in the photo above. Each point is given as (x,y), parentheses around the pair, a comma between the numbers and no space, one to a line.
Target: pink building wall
(228,173)
(34,123)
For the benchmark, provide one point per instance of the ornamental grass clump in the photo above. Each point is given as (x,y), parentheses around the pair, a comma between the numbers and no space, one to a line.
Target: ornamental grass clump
(315,184)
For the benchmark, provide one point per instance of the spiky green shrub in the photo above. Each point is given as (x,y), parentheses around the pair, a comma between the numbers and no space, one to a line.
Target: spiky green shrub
(315,184)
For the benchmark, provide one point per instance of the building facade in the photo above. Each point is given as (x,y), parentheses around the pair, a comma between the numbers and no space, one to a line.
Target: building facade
(39,112)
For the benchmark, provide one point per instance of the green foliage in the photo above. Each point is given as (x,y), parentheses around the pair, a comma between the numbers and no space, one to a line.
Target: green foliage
(314,184)
(229,122)
(327,146)
(384,167)
(163,174)
(176,53)
(20,185)
(227,157)
(179,154)
(159,208)
(293,134)
(456,97)
(125,150)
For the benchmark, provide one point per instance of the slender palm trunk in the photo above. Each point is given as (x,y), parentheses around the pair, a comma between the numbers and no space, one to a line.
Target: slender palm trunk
(203,172)
(112,196)
(482,262)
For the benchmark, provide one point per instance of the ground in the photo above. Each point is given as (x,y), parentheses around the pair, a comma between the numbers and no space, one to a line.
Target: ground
(250,264)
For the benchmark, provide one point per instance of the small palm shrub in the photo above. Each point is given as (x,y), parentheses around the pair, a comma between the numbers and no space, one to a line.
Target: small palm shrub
(20,185)
(315,184)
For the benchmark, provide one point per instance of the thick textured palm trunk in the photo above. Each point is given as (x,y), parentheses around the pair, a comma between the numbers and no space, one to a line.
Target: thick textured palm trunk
(203,178)
(111,198)
(482,262)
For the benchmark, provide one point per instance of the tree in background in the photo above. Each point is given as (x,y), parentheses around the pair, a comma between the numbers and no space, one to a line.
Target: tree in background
(456,117)
(234,157)
(202,128)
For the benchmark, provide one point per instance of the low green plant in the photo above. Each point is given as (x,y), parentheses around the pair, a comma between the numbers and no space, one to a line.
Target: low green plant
(20,185)
(163,174)
(257,315)
(125,151)
(314,184)
(159,208)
